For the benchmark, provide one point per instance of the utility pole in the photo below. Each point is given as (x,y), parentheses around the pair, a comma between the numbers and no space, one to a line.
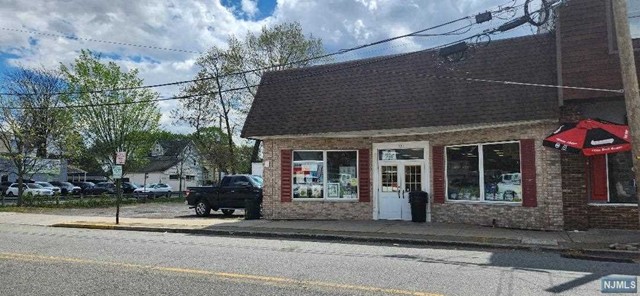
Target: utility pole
(629,81)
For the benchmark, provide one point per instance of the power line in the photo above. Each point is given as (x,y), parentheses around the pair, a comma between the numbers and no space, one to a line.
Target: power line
(354,64)
(320,57)
(97,40)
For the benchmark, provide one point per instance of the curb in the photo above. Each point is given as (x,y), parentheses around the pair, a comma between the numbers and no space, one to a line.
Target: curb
(317,236)
(586,255)
(566,252)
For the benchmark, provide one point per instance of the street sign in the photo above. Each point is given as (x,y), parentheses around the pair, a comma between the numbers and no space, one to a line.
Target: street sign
(117,171)
(121,157)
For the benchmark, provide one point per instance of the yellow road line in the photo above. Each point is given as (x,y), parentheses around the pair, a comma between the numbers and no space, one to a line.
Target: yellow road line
(224,275)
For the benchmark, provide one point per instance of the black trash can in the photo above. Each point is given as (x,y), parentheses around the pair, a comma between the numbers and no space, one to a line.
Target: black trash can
(252,209)
(418,201)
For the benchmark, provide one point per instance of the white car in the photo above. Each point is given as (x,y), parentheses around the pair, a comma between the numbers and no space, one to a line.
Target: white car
(47,185)
(153,190)
(28,189)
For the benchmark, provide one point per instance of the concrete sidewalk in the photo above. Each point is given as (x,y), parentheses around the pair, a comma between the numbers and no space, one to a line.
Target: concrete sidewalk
(397,232)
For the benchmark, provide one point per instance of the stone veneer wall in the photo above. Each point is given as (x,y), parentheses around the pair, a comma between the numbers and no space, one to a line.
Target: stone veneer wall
(547,215)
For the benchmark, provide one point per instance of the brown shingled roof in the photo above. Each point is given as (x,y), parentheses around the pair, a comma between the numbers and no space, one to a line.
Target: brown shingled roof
(396,92)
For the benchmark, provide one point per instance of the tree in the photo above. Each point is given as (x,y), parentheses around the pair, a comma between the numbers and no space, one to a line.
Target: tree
(33,121)
(281,47)
(212,144)
(110,111)
(210,102)
(199,109)
(111,116)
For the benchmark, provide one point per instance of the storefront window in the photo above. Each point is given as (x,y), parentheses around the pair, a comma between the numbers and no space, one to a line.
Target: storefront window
(307,174)
(502,179)
(485,172)
(462,173)
(340,182)
(622,187)
(342,174)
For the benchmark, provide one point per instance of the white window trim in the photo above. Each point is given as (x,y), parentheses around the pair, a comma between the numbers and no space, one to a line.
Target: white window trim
(608,203)
(324,178)
(480,175)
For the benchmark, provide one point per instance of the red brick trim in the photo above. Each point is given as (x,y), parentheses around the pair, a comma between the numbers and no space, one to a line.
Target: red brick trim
(364,172)
(438,174)
(285,175)
(528,166)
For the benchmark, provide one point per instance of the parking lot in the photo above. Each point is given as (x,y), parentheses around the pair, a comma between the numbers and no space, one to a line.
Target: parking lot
(140,210)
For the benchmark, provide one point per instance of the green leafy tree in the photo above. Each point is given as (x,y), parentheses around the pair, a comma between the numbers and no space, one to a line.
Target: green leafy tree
(212,144)
(283,46)
(112,116)
(33,122)
(211,102)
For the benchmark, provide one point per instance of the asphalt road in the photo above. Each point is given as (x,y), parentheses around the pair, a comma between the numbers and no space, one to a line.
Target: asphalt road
(55,261)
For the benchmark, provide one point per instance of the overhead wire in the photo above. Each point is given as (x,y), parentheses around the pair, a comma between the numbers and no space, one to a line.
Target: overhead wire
(72,37)
(297,62)
(351,65)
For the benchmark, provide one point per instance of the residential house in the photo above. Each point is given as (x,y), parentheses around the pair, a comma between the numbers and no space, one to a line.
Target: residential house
(41,169)
(173,162)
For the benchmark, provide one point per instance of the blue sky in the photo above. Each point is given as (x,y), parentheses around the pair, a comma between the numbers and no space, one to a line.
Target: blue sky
(32,32)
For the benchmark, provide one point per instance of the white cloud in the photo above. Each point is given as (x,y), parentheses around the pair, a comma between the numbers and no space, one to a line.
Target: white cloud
(198,25)
(250,7)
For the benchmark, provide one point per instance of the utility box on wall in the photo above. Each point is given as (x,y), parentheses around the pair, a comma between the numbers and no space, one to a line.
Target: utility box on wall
(257,168)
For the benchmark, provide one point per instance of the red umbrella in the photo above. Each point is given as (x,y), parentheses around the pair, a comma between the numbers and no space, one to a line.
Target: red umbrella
(591,137)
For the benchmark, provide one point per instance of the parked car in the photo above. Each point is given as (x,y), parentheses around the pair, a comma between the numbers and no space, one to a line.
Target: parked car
(28,189)
(228,196)
(100,188)
(153,190)
(67,188)
(128,187)
(4,186)
(83,185)
(55,189)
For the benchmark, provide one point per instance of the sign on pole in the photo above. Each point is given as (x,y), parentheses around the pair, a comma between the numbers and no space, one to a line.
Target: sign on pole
(117,171)
(121,157)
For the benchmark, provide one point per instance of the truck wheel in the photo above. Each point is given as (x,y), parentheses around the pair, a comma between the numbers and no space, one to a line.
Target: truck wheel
(202,209)
(227,212)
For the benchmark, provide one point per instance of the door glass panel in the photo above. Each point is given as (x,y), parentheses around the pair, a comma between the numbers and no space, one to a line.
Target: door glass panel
(389,175)
(412,178)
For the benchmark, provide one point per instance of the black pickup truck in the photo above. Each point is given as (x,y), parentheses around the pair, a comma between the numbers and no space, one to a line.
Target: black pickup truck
(228,196)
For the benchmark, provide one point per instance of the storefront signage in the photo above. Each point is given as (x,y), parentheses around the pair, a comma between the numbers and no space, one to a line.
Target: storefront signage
(388,155)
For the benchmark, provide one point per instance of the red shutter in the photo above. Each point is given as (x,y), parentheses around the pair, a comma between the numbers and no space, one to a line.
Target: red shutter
(599,190)
(438,174)
(285,175)
(364,172)
(528,166)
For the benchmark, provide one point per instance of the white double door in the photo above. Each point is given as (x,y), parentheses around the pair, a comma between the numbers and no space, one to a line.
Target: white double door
(395,180)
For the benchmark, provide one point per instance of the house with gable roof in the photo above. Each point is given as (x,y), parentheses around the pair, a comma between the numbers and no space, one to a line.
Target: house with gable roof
(173,162)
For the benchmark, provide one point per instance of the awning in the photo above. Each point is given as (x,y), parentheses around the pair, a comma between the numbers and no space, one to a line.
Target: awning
(590,137)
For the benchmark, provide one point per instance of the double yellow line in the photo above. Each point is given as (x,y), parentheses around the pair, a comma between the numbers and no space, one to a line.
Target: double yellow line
(222,275)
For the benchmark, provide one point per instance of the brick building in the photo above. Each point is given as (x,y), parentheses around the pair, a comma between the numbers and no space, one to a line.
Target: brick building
(351,140)
(587,56)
